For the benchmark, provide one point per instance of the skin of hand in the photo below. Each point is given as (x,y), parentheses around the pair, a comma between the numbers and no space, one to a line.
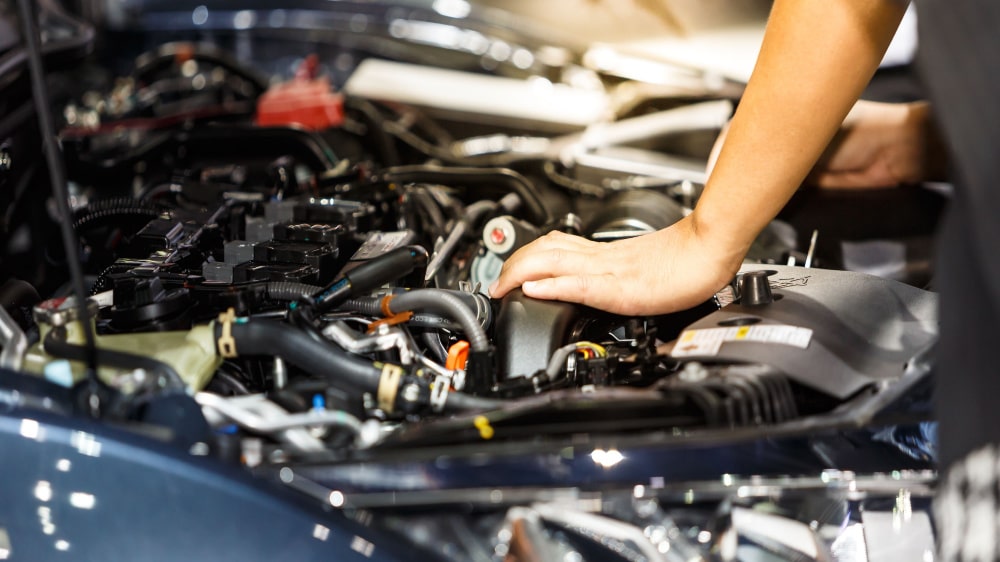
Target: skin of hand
(879,145)
(816,58)
(618,276)
(882,145)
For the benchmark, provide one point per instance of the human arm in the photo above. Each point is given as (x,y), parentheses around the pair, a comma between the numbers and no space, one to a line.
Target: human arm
(816,58)
(878,145)
(883,145)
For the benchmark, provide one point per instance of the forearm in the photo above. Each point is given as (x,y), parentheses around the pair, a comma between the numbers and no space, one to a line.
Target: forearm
(817,57)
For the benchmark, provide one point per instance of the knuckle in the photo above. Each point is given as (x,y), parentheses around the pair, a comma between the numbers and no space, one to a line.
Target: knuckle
(553,235)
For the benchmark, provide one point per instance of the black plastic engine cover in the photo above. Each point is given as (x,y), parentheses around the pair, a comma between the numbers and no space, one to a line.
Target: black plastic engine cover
(529,330)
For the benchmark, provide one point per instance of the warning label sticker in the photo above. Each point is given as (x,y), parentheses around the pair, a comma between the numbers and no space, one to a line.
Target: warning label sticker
(706,342)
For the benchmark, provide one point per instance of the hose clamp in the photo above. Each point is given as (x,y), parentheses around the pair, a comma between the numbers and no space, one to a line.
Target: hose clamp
(388,386)
(226,343)
(439,392)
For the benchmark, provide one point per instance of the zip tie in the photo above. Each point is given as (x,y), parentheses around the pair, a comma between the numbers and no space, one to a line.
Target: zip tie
(392,320)
(226,343)
(385,305)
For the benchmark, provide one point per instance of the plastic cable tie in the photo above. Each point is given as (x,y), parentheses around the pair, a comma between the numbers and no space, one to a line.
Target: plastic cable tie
(226,343)
(400,318)
(386,311)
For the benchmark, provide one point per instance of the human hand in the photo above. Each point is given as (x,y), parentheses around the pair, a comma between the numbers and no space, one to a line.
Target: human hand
(879,145)
(673,269)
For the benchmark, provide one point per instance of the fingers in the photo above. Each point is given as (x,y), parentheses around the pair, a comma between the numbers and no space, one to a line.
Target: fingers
(554,255)
(599,291)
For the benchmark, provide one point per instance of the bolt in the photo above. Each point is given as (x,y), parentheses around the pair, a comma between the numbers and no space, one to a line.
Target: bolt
(411,393)
(693,372)
(5,160)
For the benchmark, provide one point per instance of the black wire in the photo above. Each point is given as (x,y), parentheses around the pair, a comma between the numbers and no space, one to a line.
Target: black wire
(57,175)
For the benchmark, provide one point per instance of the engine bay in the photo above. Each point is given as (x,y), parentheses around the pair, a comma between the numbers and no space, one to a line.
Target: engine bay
(314,275)
(288,276)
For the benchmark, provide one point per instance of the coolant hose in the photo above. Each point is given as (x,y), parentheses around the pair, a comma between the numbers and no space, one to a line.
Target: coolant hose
(290,291)
(264,337)
(459,402)
(438,301)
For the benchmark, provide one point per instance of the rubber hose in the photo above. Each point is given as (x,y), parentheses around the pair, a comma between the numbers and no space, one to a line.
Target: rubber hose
(459,402)
(290,291)
(373,307)
(476,176)
(448,305)
(262,337)
(368,306)
(438,301)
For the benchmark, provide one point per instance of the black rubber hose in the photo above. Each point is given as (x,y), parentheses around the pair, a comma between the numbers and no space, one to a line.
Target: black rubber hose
(459,402)
(263,337)
(58,347)
(506,177)
(290,291)
(439,301)
(370,275)
(448,305)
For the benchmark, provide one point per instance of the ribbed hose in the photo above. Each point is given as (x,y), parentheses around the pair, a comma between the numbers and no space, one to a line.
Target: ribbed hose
(108,213)
(107,203)
(262,337)
(369,306)
(437,301)
(103,282)
(290,291)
